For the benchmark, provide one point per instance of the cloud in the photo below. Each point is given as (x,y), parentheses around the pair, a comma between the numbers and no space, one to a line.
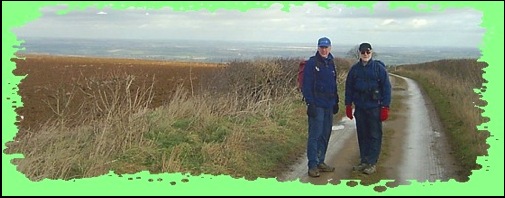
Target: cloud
(418,23)
(303,23)
(389,22)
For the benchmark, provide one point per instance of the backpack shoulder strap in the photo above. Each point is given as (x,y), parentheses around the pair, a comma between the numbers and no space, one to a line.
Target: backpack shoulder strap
(334,68)
(315,60)
(353,67)
(377,66)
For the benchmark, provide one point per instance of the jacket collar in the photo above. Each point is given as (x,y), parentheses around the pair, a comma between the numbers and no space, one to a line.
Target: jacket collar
(368,63)
(320,58)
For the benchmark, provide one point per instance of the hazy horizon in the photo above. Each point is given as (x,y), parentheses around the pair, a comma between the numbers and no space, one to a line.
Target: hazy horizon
(224,51)
(307,44)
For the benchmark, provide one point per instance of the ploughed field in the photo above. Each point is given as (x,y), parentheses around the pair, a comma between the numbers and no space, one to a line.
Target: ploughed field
(62,85)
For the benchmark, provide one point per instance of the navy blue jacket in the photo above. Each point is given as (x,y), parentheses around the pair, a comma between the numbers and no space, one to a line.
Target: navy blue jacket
(319,85)
(362,80)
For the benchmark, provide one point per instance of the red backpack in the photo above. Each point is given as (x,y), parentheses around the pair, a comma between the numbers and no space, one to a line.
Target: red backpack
(301,65)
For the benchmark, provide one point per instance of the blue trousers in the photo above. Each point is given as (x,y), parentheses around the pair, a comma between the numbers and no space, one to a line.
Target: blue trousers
(369,129)
(319,135)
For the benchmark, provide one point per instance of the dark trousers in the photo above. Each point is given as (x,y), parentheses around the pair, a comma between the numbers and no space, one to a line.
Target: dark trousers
(369,129)
(319,135)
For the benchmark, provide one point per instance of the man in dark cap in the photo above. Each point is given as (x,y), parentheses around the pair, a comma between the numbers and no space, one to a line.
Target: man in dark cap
(368,87)
(320,92)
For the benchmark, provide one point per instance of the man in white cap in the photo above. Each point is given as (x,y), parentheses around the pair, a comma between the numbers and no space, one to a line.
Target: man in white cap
(367,87)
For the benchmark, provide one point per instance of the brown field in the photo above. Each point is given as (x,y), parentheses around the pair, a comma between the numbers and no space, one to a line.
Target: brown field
(49,78)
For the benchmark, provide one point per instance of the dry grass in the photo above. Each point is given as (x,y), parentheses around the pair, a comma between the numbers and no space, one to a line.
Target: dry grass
(84,143)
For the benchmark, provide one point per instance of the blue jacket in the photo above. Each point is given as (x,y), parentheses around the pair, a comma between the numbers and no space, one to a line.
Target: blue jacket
(319,81)
(363,80)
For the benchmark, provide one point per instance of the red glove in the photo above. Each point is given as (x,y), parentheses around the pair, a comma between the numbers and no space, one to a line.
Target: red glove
(348,111)
(384,113)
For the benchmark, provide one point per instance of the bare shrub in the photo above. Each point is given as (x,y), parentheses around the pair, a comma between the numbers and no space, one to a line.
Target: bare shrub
(60,150)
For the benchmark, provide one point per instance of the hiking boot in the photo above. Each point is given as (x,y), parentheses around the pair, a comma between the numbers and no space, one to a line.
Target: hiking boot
(325,168)
(360,167)
(314,172)
(370,169)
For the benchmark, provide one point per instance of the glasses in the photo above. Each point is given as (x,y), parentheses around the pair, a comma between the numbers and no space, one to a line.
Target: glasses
(367,52)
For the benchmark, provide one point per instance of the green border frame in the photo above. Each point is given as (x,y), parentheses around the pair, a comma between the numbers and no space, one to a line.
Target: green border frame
(486,181)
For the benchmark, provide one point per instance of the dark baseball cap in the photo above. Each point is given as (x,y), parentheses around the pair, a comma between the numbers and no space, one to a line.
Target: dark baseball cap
(365,46)
(324,42)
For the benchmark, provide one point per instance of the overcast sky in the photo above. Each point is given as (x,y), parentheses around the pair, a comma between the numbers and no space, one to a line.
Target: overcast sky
(304,24)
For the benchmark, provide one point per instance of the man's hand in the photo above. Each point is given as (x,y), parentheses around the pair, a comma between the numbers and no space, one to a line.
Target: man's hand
(384,113)
(335,109)
(348,111)
(311,110)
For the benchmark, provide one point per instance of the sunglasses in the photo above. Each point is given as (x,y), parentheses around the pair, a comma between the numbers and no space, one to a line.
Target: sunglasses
(367,52)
